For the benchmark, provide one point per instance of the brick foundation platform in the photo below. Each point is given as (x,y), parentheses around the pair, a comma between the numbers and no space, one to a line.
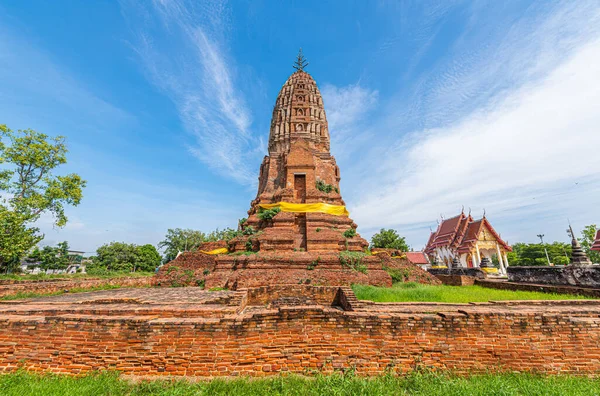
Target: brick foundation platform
(293,328)
(272,268)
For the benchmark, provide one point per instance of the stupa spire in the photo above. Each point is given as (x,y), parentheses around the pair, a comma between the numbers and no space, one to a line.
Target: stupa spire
(300,62)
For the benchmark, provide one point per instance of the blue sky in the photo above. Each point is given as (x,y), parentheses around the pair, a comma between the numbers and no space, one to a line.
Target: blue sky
(432,105)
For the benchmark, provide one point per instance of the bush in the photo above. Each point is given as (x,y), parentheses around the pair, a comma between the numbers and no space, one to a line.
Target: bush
(353,260)
(349,233)
(268,214)
(326,188)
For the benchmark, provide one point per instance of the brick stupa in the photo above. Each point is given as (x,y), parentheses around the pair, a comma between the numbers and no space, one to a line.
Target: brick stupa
(299,162)
(298,245)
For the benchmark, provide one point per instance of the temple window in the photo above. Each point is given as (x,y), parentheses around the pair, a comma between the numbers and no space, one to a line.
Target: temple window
(298,127)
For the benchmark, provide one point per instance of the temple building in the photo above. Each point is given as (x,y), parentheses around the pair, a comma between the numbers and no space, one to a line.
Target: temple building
(596,244)
(467,242)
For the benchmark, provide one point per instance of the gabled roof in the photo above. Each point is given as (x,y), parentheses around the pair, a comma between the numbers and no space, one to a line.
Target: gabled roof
(596,244)
(417,257)
(461,233)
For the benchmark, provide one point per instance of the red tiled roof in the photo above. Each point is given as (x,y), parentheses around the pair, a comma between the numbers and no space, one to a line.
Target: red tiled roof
(461,233)
(596,244)
(417,257)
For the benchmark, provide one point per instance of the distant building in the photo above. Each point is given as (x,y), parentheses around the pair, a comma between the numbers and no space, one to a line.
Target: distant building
(418,258)
(468,240)
(76,264)
(596,244)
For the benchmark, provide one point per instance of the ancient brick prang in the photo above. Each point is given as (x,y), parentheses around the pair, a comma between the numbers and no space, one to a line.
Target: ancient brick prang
(300,169)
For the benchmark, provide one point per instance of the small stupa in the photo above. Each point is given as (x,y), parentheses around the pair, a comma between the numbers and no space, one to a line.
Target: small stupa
(578,256)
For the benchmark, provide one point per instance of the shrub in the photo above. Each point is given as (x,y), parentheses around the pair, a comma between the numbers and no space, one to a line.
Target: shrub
(268,214)
(349,233)
(324,187)
(353,260)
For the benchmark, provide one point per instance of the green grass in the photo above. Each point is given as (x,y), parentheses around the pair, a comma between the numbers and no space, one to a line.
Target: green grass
(23,384)
(405,292)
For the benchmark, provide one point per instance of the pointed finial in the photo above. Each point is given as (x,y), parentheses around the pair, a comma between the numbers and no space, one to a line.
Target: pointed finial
(442,216)
(483,212)
(469,211)
(463,209)
(300,62)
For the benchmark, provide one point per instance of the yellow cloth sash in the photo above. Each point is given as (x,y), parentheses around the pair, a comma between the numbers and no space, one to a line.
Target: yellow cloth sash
(216,251)
(336,210)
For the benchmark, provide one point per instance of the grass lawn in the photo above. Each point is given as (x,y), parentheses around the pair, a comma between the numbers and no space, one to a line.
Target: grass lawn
(405,292)
(23,384)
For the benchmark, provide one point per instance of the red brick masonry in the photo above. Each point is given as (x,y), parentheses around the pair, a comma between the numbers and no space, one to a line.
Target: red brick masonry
(189,331)
(13,287)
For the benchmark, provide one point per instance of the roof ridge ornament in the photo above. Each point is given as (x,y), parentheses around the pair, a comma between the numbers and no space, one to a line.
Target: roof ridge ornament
(300,62)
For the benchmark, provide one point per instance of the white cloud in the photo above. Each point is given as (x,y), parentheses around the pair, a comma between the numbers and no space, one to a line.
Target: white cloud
(526,145)
(511,127)
(180,44)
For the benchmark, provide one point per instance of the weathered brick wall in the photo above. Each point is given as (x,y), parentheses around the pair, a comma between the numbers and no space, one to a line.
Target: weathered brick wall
(303,339)
(570,275)
(50,286)
(324,295)
(456,280)
(582,291)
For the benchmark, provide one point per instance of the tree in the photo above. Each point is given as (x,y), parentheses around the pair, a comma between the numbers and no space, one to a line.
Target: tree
(125,257)
(389,239)
(16,238)
(116,256)
(30,188)
(51,258)
(588,235)
(525,254)
(147,258)
(181,240)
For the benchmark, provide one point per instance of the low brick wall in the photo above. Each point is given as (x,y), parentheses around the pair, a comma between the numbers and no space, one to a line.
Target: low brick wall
(50,286)
(504,285)
(585,276)
(553,337)
(456,280)
(473,272)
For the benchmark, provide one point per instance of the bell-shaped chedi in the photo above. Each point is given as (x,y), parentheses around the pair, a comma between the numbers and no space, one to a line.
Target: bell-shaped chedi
(298,171)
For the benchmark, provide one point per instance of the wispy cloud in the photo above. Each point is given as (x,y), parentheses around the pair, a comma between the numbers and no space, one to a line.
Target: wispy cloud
(511,127)
(183,52)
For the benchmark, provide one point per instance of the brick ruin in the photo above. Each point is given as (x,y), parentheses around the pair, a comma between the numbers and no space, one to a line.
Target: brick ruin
(300,169)
(292,329)
(315,247)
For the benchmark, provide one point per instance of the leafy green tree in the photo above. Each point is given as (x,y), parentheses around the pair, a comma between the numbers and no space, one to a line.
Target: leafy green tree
(116,256)
(526,254)
(389,239)
(51,258)
(147,258)
(30,188)
(125,257)
(587,240)
(181,240)
(560,260)
(16,238)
